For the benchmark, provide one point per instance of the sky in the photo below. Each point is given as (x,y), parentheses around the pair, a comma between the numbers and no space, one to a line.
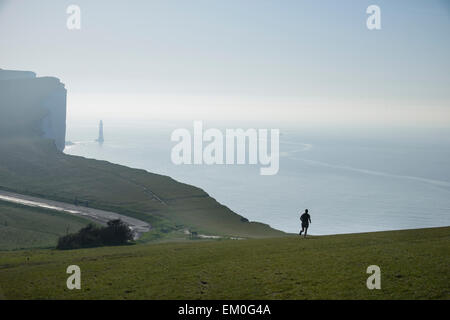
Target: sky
(290,61)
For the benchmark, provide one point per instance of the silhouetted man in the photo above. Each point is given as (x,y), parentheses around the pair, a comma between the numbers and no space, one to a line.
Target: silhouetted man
(305,218)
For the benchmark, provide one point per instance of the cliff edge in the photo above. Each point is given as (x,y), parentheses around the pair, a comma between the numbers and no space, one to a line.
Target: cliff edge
(25,98)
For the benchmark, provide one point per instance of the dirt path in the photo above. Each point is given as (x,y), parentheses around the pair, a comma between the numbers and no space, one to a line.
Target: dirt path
(99,216)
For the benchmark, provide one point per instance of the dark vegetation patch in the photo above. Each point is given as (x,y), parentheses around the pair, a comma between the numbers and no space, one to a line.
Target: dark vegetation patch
(114,234)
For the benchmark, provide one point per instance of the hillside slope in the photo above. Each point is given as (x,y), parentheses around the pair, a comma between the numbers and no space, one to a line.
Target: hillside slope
(415,264)
(34,166)
(23,227)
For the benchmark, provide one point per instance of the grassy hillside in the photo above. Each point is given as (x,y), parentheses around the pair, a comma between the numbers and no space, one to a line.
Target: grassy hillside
(415,264)
(33,166)
(23,227)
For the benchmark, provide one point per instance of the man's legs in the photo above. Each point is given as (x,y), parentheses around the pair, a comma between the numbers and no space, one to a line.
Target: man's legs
(303,229)
(306,231)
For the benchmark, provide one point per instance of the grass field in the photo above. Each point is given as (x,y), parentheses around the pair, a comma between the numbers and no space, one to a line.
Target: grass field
(24,227)
(415,264)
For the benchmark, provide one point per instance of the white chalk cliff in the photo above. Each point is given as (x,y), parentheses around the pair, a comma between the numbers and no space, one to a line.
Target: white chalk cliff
(31,105)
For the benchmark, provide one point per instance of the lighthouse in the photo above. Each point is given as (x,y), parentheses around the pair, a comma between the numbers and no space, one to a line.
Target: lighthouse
(100,132)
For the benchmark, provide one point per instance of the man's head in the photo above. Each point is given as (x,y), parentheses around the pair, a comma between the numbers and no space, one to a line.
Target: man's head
(306,210)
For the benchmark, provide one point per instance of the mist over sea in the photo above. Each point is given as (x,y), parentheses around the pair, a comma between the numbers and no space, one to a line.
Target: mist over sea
(357,180)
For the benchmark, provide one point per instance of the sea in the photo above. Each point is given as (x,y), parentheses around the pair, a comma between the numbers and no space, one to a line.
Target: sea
(352,180)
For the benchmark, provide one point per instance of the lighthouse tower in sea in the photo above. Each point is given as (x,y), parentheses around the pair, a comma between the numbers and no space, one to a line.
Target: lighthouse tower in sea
(100,132)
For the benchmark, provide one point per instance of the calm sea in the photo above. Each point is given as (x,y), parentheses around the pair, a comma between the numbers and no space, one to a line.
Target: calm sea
(356,180)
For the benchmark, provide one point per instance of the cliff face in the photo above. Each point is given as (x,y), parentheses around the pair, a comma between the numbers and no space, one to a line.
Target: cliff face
(32,106)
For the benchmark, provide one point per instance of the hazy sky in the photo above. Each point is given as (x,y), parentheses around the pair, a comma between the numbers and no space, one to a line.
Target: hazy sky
(288,60)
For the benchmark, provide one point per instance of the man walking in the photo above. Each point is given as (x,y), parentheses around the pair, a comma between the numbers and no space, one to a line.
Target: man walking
(305,218)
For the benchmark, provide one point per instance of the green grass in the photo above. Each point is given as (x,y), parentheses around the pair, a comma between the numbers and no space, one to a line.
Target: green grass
(415,264)
(24,227)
